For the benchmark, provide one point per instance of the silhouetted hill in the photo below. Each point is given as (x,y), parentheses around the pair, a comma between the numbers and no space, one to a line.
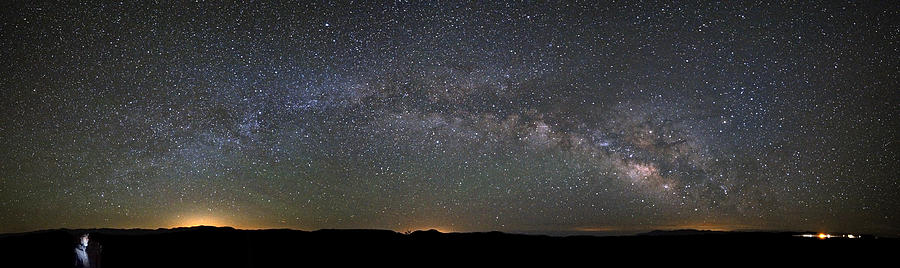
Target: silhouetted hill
(228,247)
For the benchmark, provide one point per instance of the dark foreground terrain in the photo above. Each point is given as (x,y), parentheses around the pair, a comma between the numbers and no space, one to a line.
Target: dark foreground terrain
(228,247)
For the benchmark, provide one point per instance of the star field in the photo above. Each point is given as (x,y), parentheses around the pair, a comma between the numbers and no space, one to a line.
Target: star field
(462,117)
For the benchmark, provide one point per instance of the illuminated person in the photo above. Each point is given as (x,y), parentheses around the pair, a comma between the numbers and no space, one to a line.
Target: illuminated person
(81,254)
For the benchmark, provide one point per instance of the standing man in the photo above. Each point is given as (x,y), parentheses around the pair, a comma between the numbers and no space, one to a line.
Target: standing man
(81,254)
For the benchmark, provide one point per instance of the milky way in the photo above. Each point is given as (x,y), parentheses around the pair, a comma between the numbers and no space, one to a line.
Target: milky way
(462,117)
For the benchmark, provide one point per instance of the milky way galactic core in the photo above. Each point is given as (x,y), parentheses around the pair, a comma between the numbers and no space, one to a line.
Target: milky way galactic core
(558,117)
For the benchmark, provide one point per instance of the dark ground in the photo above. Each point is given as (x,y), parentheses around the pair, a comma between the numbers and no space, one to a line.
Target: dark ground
(227,247)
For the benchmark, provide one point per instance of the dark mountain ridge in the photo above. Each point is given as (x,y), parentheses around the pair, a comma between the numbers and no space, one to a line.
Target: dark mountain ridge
(205,246)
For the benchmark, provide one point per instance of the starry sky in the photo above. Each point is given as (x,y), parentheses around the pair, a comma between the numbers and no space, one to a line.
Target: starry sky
(510,116)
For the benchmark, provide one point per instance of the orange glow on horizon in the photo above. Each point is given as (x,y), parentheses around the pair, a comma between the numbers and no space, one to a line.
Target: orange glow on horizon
(439,229)
(700,227)
(203,220)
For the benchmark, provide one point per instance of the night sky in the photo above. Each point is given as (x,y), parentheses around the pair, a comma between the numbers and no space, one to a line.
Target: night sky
(517,117)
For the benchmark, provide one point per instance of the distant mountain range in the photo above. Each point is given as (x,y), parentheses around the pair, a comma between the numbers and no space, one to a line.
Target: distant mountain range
(206,246)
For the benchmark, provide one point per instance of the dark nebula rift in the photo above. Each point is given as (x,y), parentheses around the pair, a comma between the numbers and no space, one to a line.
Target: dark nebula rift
(580,116)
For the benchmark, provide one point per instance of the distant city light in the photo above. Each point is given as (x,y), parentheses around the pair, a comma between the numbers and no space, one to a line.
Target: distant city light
(824,236)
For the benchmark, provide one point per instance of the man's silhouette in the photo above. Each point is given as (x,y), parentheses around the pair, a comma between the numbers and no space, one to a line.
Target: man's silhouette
(81,253)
